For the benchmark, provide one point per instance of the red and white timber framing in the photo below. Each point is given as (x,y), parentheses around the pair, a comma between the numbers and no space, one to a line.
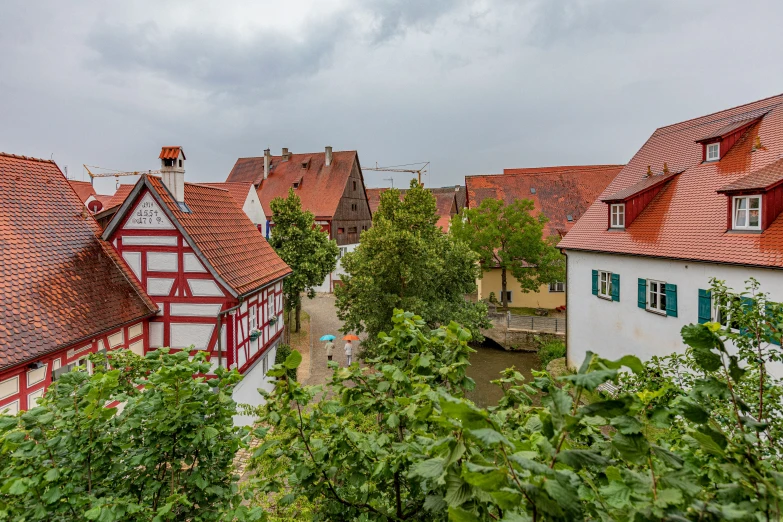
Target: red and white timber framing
(190,298)
(22,386)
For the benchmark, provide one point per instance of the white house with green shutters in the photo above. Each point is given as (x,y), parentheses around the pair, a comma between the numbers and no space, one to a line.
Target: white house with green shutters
(701,199)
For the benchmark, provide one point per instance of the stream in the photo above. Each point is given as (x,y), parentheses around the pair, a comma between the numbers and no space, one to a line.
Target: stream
(486,365)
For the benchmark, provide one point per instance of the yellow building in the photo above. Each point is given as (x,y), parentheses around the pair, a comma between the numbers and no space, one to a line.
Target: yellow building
(548,296)
(562,194)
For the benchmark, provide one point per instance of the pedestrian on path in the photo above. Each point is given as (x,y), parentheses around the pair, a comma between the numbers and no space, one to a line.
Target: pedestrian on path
(329,350)
(348,352)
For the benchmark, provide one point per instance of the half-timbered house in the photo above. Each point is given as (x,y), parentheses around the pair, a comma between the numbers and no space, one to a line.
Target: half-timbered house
(64,293)
(215,278)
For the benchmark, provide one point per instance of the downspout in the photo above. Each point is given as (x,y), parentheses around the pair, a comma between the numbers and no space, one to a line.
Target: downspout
(567,310)
(220,333)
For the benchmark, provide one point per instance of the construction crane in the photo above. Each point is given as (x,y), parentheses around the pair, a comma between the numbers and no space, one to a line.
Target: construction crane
(116,173)
(394,168)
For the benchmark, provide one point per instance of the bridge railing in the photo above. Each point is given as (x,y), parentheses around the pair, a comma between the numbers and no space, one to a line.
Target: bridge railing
(530,322)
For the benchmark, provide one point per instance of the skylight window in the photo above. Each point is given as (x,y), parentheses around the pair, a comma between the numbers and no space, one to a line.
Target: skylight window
(713,151)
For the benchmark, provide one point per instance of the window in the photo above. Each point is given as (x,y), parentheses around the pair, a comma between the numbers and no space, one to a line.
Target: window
(270,306)
(341,230)
(364,227)
(253,318)
(265,364)
(605,284)
(342,252)
(618,215)
(747,213)
(354,206)
(508,296)
(80,364)
(352,230)
(721,311)
(557,286)
(713,151)
(354,185)
(656,296)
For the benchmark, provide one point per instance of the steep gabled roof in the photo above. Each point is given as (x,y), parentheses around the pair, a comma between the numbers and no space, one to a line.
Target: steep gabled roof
(222,236)
(557,192)
(445,201)
(83,189)
(687,219)
(118,197)
(321,187)
(59,283)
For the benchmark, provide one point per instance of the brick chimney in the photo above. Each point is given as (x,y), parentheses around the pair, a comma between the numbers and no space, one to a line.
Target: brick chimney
(286,154)
(267,160)
(172,167)
(328,160)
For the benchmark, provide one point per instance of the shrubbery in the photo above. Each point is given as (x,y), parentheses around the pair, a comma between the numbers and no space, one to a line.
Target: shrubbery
(549,350)
(283,351)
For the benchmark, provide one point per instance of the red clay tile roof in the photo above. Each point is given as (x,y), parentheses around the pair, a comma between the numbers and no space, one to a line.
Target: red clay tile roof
(170,153)
(445,201)
(559,191)
(103,198)
(229,242)
(687,219)
(762,179)
(645,184)
(238,191)
(118,197)
(83,189)
(321,188)
(59,283)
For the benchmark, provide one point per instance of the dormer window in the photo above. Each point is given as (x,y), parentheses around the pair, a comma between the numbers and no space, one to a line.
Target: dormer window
(713,151)
(617,215)
(747,213)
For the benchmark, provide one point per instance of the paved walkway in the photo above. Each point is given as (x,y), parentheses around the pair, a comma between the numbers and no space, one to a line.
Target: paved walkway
(323,320)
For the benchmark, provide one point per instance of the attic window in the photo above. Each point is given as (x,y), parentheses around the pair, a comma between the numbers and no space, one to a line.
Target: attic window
(747,213)
(354,207)
(618,215)
(713,151)
(570,217)
(532,190)
(297,183)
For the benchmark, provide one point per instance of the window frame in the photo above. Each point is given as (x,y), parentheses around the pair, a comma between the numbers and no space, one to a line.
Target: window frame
(608,281)
(714,145)
(747,209)
(509,295)
(252,318)
(717,316)
(660,308)
(620,207)
(553,287)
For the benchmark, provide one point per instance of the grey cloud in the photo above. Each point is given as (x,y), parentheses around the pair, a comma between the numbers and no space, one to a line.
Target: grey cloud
(394,17)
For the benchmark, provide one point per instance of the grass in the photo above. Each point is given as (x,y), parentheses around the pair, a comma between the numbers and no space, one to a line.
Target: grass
(523,310)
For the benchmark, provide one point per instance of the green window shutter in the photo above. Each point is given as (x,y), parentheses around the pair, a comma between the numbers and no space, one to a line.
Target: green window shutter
(671,300)
(595,282)
(773,334)
(615,287)
(642,293)
(747,303)
(705,306)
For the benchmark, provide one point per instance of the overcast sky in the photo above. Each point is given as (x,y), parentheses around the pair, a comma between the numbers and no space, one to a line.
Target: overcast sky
(472,87)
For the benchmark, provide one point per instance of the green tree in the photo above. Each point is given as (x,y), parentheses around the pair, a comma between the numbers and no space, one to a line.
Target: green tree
(167,455)
(404,261)
(398,440)
(508,237)
(304,247)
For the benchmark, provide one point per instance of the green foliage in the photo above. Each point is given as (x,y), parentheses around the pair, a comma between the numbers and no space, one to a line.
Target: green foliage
(687,443)
(166,456)
(283,351)
(550,350)
(508,237)
(303,246)
(405,261)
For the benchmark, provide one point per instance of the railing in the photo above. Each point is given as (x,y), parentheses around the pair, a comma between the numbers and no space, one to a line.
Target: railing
(531,322)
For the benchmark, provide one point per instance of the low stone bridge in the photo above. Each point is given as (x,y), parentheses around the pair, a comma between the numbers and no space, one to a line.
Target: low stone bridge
(519,332)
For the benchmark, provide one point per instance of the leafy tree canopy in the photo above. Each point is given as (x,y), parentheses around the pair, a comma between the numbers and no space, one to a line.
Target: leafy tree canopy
(398,440)
(510,238)
(304,247)
(167,455)
(404,261)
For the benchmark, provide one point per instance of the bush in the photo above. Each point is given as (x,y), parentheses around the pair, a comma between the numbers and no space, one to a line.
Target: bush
(283,351)
(550,350)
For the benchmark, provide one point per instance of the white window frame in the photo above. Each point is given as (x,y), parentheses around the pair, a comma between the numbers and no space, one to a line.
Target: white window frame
(660,302)
(270,306)
(557,286)
(252,318)
(735,212)
(717,316)
(265,363)
(509,295)
(715,147)
(605,282)
(617,215)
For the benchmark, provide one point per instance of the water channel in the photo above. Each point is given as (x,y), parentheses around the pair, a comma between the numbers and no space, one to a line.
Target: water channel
(486,365)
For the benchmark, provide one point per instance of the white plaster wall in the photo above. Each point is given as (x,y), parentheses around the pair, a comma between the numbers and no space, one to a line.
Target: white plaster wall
(194,310)
(150,240)
(325,286)
(253,208)
(161,261)
(156,335)
(192,264)
(613,329)
(204,288)
(185,335)
(246,392)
